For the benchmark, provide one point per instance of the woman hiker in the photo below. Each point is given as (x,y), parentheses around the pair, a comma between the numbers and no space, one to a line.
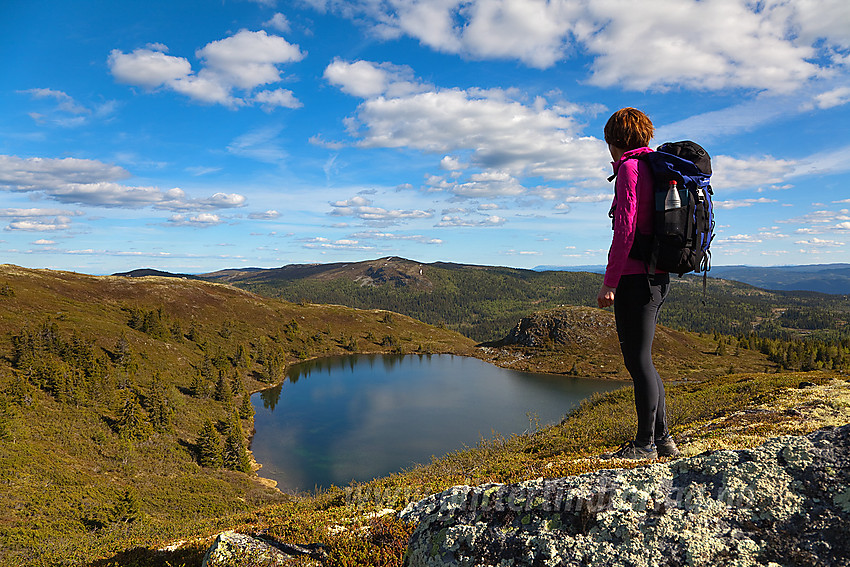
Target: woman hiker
(636,295)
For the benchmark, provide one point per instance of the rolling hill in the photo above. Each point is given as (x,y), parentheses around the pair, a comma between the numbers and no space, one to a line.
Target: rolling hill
(483,302)
(107,383)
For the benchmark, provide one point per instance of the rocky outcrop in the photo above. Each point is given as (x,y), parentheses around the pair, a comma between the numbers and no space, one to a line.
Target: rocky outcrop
(563,326)
(231,549)
(785,503)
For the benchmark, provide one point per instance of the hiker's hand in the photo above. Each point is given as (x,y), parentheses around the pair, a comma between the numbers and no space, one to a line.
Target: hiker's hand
(605,297)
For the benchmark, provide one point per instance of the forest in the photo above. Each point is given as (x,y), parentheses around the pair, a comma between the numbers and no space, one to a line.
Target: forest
(798,330)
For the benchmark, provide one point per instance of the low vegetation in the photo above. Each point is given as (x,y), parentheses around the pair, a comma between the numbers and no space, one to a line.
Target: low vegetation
(124,419)
(123,411)
(357,524)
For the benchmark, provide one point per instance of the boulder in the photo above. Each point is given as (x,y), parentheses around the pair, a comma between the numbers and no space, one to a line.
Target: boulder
(231,549)
(785,503)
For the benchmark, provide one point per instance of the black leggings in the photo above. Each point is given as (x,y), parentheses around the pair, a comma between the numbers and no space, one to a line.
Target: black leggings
(637,303)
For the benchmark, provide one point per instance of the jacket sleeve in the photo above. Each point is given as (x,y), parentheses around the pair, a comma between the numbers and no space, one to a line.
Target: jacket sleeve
(625,221)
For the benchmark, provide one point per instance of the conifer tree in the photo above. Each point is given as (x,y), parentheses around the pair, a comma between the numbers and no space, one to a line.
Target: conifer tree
(234,455)
(126,509)
(209,446)
(159,407)
(246,409)
(223,390)
(132,422)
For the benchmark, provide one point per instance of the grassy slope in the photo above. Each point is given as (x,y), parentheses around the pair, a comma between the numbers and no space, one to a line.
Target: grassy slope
(721,413)
(63,466)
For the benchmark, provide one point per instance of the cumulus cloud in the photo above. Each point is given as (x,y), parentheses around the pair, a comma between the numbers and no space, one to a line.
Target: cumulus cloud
(362,208)
(740,173)
(94,183)
(501,131)
(278,22)
(40,225)
(375,235)
(202,220)
(267,215)
(323,243)
(713,44)
(459,221)
(242,62)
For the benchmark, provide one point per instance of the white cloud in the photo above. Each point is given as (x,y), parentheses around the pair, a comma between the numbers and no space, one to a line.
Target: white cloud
(821,243)
(38,225)
(375,235)
(366,79)
(277,98)
(323,243)
(147,68)
(29,213)
(43,242)
(361,207)
(739,173)
(244,61)
(458,221)
(202,220)
(832,98)
(502,132)
(735,204)
(709,44)
(94,183)
(740,238)
(451,163)
(267,215)
(278,22)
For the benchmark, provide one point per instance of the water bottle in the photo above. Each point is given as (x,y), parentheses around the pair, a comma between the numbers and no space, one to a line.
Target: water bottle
(673,213)
(672,201)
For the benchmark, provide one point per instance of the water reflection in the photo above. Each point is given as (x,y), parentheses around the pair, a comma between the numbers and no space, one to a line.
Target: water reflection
(358,417)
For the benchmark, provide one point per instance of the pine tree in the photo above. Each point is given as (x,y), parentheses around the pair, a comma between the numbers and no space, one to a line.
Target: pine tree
(126,509)
(246,409)
(159,407)
(223,390)
(234,455)
(132,422)
(209,446)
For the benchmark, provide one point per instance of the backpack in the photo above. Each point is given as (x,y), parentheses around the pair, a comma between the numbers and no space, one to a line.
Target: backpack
(683,228)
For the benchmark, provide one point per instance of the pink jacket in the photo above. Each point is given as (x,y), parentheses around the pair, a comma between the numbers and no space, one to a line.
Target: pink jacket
(633,208)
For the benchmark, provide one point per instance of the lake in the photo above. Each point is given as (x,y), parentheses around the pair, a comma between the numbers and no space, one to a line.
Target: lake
(339,419)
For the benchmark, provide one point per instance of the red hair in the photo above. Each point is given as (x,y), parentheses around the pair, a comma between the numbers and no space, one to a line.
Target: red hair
(629,128)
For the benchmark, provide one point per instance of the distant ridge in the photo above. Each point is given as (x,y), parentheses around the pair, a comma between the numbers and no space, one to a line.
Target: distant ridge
(823,278)
(143,272)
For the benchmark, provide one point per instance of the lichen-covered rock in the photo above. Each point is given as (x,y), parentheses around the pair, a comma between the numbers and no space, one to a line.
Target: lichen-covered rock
(784,503)
(231,549)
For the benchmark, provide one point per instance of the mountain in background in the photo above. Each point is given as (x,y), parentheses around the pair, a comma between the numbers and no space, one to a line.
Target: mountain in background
(823,278)
(482,302)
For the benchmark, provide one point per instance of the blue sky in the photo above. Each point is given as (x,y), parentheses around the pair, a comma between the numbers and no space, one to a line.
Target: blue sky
(195,136)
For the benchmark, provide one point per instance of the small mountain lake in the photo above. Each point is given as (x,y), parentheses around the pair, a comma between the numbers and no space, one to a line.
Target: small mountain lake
(339,419)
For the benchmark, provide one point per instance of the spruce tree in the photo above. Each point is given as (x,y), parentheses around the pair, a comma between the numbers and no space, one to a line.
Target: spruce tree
(132,423)
(209,446)
(223,390)
(159,407)
(246,409)
(234,455)
(126,509)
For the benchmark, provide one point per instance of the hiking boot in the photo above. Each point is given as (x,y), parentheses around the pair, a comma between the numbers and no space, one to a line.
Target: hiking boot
(666,447)
(629,450)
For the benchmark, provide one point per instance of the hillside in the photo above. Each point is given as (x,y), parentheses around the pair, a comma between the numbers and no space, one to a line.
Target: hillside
(106,384)
(582,341)
(482,302)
